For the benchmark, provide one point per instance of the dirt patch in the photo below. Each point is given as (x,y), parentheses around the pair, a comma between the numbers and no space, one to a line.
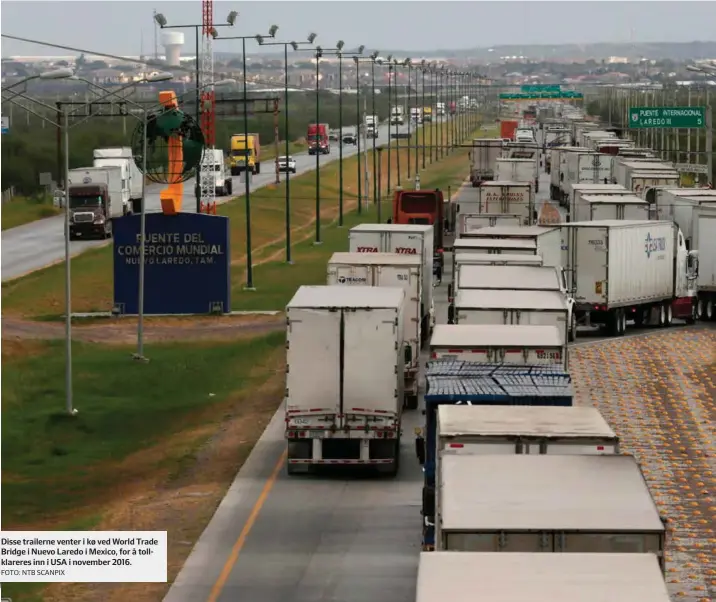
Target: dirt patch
(123,331)
(182,502)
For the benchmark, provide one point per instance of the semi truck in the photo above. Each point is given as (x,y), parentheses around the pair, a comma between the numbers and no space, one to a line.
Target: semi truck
(586,168)
(678,205)
(558,170)
(245,151)
(499,196)
(703,228)
(123,158)
(611,206)
(345,360)
(388,270)
(580,190)
(548,239)
(397,115)
(518,170)
(619,270)
(457,382)
(404,240)
(483,159)
(623,168)
(371,126)
(508,127)
(546,503)
(317,136)
(465,257)
(95,200)
(469,222)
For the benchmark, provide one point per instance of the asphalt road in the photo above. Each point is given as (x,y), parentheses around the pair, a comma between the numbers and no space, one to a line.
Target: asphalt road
(41,243)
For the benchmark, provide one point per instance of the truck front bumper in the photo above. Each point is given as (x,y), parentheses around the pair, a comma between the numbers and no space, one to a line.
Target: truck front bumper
(87,230)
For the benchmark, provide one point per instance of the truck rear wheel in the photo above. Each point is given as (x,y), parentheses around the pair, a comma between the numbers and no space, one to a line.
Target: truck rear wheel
(257,169)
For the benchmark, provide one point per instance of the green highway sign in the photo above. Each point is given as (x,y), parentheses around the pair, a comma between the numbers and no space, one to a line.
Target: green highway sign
(567,94)
(667,117)
(541,88)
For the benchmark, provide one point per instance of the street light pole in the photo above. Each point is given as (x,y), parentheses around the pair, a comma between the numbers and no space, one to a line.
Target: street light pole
(356,60)
(422,110)
(409,65)
(390,118)
(375,131)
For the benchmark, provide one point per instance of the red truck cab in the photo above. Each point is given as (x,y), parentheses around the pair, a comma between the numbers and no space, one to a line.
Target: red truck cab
(453,108)
(423,207)
(508,127)
(317,137)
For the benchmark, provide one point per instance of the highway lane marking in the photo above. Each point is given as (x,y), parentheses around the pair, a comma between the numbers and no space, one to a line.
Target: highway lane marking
(248,525)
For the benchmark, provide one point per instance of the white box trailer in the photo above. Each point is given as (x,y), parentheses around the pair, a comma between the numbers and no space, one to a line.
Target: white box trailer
(403,240)
(499,344)
(473,221)
(678,205)
(108,156)
(519,170)
(509,277)
(704,240)
(546,503)
(579,190)
(511,246)
(619,269)
(491,306)
(466,257)
(388,270)
(611,206)
(548,240)
(590,168)
(344,376)
(625,166)
(558,169)
(556,137)
(483,157)
(507,197)
(497,577)
(640,182)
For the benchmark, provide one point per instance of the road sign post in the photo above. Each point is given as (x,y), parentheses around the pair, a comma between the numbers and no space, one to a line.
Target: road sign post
(667,117)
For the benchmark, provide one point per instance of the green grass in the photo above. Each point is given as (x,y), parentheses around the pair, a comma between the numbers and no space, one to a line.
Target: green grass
(23,210)
(53,463)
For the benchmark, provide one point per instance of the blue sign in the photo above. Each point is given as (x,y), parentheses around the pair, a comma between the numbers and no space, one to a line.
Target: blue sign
(187,264)
(5,125)
(654,245)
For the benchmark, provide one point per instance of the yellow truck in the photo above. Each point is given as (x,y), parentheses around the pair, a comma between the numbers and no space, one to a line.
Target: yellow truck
(427,113)
(245,150)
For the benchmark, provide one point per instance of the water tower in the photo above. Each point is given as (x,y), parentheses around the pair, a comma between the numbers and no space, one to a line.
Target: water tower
(172,42)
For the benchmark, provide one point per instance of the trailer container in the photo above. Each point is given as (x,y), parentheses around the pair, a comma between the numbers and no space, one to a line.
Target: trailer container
(546,503)
(466,257)
(511,246)
(611,206)
(590,168)
(483,157)
(509,277)
(475,221)
(403,240)
(388,270)
(641,182)
(497,577)
(580,190)
(548,239)
(344,376)
(704,240)
(558,169)
(678,204)
(623,269)
(506,197)
(519,170)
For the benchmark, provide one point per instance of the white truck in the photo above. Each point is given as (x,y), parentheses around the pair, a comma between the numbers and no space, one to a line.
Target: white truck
(122,157)
(677,204)
(558,170)
(518,170)
(579,190)
(469,222)
(344,377)
(625,169)
(523,576)
(416,115)
(556,136)
(483,159)
(703,228)
(611,206)
(591,139)
(586,168)
(371,126)
(403,240)
(548,240)
(624,269)
(499,344)
(95,201)
(465,257)
(509,277)
(539,308)
(388,270)
(512,246)
(501,196)
(642,181)
(397,115)
(546,503)
(221,178)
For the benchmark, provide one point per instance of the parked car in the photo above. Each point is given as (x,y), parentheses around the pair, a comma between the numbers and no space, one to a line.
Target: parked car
(287,164)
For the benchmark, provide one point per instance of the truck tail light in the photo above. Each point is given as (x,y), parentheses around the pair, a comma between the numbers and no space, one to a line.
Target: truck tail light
(440,251)
(600,448)
(456,445)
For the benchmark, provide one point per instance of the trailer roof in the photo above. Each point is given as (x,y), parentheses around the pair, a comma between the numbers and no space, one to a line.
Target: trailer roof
(390,228)
(618,223)
(523,421)
(465,257)
(516,159)
(647,173)
(509,277)
(689,192)
(499,183)
(374,259)
(648,165)
(495,243)
(614,199)
(514,231)
(495,335)
(609,187)
(320,297)
(473,298)
(545,492)
(556,577)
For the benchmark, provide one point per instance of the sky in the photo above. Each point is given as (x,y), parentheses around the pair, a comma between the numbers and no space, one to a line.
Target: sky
(126,27)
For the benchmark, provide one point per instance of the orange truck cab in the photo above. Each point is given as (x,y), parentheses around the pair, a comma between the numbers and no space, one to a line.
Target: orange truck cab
(423,207)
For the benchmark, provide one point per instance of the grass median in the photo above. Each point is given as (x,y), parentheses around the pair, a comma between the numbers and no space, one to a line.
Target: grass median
(23,210)
(41,294)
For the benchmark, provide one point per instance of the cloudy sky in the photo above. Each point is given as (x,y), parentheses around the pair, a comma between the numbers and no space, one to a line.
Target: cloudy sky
(126,27)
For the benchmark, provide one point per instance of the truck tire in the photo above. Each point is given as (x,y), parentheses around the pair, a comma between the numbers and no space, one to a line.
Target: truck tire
(709,310)
(693,316)
(668,314)
(257,169)
(572,335)
(229,186)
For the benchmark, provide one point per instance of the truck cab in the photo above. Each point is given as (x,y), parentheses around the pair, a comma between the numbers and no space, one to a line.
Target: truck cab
(396,116)
(427,113)
(245,151)
(371,126)
(424,207)
(223,184)
(318,141)
(89,211)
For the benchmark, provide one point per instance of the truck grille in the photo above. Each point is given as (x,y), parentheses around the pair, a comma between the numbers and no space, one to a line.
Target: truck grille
(83,218)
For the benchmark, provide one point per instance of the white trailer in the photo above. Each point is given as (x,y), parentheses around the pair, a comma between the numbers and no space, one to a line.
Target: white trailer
(556,137)
(590,168)
(403,240)
(546,503)
(579,190)
(548,240)
(533,430)
(474,221)
(344,376)
(611,206)
(513,246)
(620,269)
(624,167)
(591,139)
(678,204)
(519,170)
(509,277)
(497,577)
(500,344)
(507,197)
(388,270)
(484,306)
(704,240)
(483,157)
(640,182)
(466,257)
(95,201)
(558,169)
(115,156)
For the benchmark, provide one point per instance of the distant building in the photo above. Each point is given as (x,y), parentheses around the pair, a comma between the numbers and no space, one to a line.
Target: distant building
(618,60)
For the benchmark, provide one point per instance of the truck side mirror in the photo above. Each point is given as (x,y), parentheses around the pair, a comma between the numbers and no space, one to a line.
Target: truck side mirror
(408,355)
(451,314)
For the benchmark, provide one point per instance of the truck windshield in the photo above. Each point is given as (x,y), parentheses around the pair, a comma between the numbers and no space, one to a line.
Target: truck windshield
(315,137)
(77,202)
(417,203)
(242,152)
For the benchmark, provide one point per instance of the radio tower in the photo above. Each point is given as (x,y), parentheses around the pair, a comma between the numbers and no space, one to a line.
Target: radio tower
(208,107)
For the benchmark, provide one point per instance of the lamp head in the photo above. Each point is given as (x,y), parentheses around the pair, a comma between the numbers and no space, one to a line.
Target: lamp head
(312,37)
(374,56)
(361,48)
(339,45)
(259,38)
(161,76)
(231,18)
(65,73)
(389,58)
(319,52)
(294,45)
(214,33)
(160,19)
(272,31)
